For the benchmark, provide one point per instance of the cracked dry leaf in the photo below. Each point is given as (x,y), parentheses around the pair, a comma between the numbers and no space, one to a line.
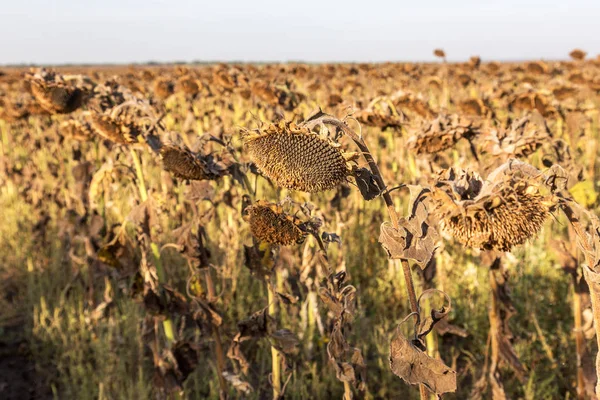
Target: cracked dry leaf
(414,239)
(416,367)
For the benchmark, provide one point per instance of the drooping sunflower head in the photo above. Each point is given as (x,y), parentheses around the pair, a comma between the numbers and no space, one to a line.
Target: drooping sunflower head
(184,164)
(269,223)
(503,211)
(295,158)
(119,130)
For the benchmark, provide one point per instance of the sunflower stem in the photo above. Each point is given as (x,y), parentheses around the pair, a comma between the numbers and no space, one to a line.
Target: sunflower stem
(322,118)
(275,359)
(160,272)
(212,295)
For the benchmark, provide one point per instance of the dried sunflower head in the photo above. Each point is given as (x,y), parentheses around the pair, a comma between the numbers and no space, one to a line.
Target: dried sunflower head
(56,97)
(120,130)
(163,87)
(439,53)
(504,211)
(381,119)
(475,61)
(564,92)
(184,164)
(537,68)
(476,107)
(442,133)
(296,158)
(188,85)
(523,138)
(577,54)
(78,130)
(269,223)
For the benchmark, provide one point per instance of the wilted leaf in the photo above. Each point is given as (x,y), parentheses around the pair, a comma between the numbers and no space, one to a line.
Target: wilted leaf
(414,239)
(258,324)
(235,353)
(238,383)
(367,183)
(444,327)
(416,367)
(284,340)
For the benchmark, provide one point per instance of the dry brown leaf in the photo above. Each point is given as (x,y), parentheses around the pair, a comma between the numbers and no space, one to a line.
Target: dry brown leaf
(416,367)
(414,239)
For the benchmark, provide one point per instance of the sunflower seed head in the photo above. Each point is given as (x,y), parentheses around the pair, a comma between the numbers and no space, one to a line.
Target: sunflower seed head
(490,215)
(78,130)
(56,97)
(578,54)
(442,133)
(184,164)
(296,158)
(120,130)
(268,223)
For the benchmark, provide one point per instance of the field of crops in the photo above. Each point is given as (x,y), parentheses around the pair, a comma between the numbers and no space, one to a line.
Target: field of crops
(258,231)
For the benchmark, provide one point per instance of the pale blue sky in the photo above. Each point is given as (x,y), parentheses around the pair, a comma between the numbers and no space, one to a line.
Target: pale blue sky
(122,31)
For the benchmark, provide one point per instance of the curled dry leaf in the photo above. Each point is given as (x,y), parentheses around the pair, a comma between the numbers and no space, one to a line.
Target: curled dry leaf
(258,324)
(416,367)
(368,184)
(414,239)
(436,315)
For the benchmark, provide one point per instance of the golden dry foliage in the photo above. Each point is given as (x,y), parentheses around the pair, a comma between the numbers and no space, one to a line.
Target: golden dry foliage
(442,133)
(269,223)
(504,211)
(296,158)
(184,164)
(119,130)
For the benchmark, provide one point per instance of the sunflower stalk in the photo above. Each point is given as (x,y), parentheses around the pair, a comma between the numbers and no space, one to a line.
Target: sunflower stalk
(275,358)
(216,331)
(589,272)
(324,119)
(160,272)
